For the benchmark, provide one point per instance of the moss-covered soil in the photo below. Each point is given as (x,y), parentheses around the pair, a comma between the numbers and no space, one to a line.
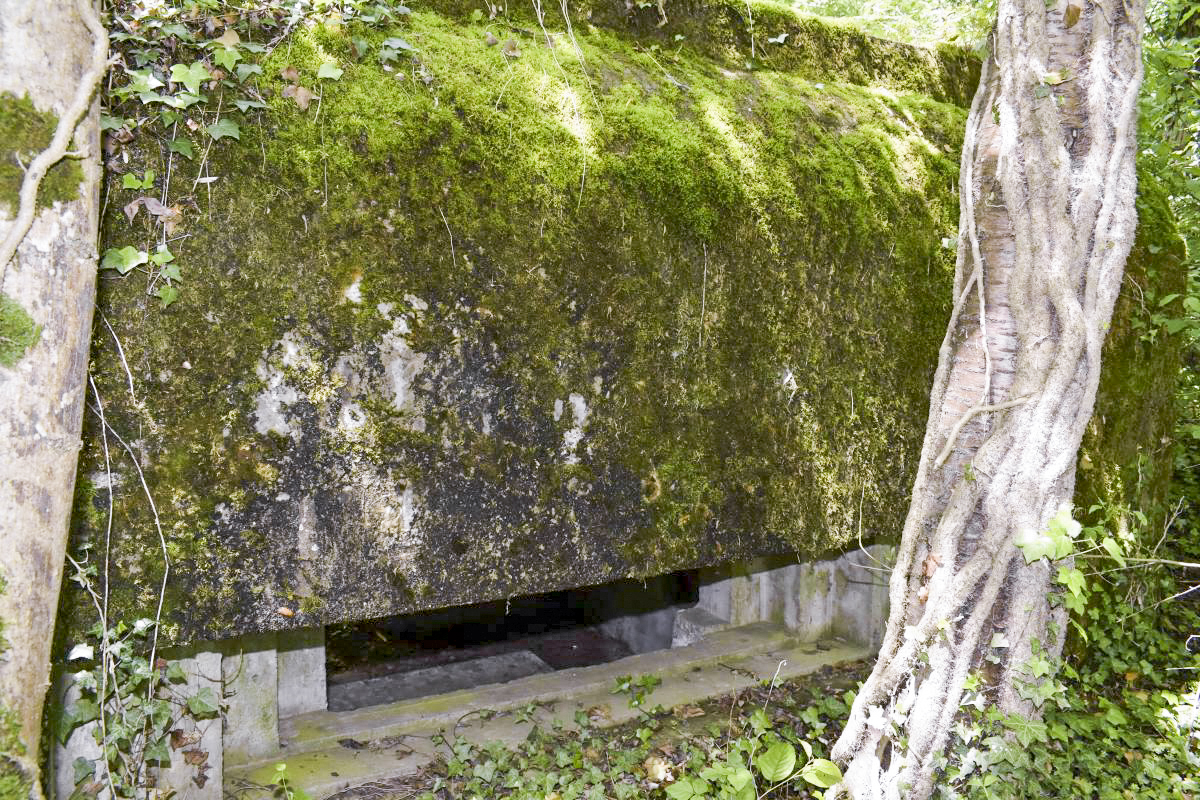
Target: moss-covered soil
(498,319)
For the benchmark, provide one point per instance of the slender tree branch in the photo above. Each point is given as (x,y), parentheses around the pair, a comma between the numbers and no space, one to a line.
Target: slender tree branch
(59,145)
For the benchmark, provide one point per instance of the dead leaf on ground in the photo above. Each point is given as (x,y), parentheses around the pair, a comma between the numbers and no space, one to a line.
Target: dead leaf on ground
(229,39)
(1071,15)
(688,712)
(490,39)
(197,758)
(598,712)
(201,776)
(290,74)
(511,50)
(181,739)
(657,769)
(284,611)
(301,95)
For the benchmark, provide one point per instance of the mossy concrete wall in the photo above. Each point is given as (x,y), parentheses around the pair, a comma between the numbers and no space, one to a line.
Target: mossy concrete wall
(513,318)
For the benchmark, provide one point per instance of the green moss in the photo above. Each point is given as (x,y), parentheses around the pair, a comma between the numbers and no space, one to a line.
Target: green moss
(18,332)
(1125,460)
(25,132)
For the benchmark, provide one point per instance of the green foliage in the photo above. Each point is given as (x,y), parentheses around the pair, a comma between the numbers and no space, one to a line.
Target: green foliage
(764,751)
(1120,710)
(134,702)
(182,87)
(637,689)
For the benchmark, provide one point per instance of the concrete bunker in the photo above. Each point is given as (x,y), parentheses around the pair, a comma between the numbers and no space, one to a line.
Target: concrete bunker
(441,351)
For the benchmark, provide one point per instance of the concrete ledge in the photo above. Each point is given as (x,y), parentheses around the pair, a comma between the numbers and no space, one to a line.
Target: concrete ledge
(327,752)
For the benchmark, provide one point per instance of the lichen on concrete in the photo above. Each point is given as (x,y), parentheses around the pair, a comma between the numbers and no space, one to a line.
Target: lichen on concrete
(495,324)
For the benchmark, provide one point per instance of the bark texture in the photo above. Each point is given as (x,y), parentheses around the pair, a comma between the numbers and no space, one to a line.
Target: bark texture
(1047,219)
(54,53)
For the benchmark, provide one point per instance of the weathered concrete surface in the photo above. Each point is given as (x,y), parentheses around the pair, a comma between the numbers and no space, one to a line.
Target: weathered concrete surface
(497,325)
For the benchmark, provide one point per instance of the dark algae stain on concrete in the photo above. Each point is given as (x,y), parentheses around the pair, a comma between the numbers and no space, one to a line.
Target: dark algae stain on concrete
(495,325)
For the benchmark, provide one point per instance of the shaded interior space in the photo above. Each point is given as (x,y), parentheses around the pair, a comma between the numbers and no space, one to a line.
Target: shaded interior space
(416,655)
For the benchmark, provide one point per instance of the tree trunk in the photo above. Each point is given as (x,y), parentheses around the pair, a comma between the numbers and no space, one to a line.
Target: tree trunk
(1047,192)
(54,53)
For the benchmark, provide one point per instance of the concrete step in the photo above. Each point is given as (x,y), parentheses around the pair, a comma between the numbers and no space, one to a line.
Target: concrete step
(327,751)
(443,678)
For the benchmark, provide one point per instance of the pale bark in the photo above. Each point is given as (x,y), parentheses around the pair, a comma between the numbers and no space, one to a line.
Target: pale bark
(1047,190)
(54,52)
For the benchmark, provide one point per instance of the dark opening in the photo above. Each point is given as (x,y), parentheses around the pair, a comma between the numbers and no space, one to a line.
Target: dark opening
(399,658)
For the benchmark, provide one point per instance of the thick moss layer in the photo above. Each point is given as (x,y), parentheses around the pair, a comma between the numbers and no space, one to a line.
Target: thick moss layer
(25,132)
(493,324)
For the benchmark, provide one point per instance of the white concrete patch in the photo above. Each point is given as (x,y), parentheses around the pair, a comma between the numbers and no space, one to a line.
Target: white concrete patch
(353,292)
(571,439)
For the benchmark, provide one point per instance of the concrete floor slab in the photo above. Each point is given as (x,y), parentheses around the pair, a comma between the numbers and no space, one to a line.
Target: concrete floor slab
(327,752)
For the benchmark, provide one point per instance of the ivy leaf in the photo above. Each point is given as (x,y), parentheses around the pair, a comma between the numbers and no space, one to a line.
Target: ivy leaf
(227,58)
(175,673)
(183,100)
(1026,730)
(330,71)
(680,790)
(110,123)
(777,762)
(123,259)
(81,651)
(169,294)
(142,81)
(171,273)
(1113,549)
(246,70)
(156,752)
(246,105)
(224,127)
(190,76)
(1033,545)
(85,711)
(1072,579)
(821,772)
(203,702)
(162,255)
(183,147)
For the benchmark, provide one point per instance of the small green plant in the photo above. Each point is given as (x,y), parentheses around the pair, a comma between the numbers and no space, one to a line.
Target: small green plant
(284,788)
(637,689)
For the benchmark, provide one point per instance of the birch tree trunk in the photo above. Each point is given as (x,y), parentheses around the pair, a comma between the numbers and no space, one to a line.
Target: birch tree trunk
(54,53)
(1047,196)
